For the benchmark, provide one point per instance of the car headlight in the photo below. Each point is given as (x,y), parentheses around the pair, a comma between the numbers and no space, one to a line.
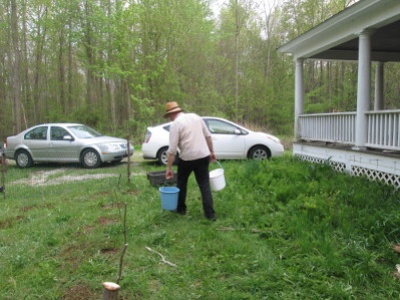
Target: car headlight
(271,137)
(109,147)
(275,139)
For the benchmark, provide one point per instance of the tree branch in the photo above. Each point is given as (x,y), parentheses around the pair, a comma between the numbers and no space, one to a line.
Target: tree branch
(162,257)
(121,261)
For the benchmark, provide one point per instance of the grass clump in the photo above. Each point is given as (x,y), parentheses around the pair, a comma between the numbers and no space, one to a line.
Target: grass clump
(286,229)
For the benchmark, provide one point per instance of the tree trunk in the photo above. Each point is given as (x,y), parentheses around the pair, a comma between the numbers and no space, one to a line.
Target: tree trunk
(39,104)
(70,103)
(110,291)
(16,90)
(237,38)
(61,70)
(111,92)
(91,82)
(25,84)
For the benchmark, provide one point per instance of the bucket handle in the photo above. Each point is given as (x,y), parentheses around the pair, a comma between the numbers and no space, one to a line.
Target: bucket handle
(219,164)
(168,182)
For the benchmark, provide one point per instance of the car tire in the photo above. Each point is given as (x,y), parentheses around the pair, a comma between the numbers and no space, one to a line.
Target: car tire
(23,159)
(90,159)
(162,156)
(259,153)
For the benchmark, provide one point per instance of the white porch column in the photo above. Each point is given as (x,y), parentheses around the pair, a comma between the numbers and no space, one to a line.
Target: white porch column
(363,88)
(378,101)
(298,97)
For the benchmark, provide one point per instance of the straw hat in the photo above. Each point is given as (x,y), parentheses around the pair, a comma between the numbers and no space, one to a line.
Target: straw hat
(171,107)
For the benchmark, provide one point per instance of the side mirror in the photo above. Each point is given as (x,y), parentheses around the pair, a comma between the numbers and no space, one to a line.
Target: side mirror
(68,138)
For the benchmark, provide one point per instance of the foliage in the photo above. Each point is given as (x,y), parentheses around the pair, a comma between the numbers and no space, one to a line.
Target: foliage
(115,63)
(286,229)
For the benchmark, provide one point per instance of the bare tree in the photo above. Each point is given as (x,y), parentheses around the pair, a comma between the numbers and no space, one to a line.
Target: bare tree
(16,84)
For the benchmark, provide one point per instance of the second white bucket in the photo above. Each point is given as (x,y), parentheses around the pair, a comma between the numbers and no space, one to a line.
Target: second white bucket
(217,179)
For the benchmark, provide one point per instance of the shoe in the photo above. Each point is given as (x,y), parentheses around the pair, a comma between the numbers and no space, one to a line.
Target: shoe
(181,212)
(211,218)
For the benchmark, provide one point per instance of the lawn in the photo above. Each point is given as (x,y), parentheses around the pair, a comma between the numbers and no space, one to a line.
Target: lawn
(286,229)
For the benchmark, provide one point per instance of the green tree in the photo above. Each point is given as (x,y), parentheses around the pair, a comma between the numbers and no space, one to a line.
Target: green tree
(113,64)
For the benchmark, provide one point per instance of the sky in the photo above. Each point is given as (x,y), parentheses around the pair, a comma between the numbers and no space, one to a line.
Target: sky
(268,4)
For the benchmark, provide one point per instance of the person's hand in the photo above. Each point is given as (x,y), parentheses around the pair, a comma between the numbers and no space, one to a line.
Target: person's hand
(169,174)
(213,157)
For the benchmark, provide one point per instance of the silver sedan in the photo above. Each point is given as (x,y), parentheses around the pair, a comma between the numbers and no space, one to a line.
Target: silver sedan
(65,143)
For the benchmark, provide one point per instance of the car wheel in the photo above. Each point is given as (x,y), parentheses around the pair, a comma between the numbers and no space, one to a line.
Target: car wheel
(162,156)
(259,153)
(23,159)
(90,159)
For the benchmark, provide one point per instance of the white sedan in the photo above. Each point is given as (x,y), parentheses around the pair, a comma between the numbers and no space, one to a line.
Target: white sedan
(231,141)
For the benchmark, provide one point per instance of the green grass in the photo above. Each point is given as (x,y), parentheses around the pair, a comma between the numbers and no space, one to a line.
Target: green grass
(286,229)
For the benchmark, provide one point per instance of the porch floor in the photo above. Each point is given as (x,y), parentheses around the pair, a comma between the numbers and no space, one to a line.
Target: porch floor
(376,164)
(367,150)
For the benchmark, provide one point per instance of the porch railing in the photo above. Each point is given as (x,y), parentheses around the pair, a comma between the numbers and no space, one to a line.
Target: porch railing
(329,127)
(383,128)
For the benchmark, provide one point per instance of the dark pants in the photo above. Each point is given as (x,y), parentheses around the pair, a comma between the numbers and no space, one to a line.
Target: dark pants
(200,169)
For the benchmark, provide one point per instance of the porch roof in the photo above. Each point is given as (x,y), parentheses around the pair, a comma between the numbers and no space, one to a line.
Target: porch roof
(337,37)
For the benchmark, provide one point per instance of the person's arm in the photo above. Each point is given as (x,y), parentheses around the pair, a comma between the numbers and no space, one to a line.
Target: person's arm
(170,160)
(171,152)
(208,137)
(211,148)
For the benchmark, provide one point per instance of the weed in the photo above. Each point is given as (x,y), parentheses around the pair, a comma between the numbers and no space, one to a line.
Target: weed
(286,229)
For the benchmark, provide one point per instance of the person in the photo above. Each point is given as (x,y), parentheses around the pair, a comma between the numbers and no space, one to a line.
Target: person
(3,164)
(189,133)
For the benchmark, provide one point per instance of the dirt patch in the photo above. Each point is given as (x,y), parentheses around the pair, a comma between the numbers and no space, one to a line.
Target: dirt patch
(6,223)
(88,229)
(46,178)
(105,221)
(55,177)
(80,292)
(109,251)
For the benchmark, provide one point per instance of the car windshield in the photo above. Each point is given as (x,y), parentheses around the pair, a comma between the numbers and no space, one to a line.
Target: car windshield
(84,132)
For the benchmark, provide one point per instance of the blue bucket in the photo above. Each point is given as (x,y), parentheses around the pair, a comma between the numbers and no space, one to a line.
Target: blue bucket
(169,197)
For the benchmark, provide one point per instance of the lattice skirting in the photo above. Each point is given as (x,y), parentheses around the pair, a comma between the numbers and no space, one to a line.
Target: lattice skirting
(386,177)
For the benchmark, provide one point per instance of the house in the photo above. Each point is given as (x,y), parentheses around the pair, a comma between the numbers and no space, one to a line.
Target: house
(365,142)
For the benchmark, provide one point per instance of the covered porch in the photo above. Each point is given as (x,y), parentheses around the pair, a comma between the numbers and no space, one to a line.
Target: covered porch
(366,141)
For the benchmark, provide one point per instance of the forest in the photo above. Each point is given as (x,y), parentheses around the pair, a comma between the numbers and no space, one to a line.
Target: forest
(113,64)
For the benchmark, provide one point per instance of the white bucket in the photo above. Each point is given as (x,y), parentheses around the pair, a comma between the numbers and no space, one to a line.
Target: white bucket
(217,179)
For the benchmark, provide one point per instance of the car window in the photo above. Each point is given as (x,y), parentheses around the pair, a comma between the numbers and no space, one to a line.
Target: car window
(58,133)
(84,132)
(39,133)
(220,127)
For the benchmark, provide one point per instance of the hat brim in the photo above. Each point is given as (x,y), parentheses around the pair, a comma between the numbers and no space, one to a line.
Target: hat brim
(172,111)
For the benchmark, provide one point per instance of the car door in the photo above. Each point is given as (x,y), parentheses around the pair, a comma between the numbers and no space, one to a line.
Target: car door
(62,147)
(227,138)
(36,140)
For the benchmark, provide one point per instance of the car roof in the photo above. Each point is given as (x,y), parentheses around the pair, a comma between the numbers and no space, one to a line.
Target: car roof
(203,117)
(60,124)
